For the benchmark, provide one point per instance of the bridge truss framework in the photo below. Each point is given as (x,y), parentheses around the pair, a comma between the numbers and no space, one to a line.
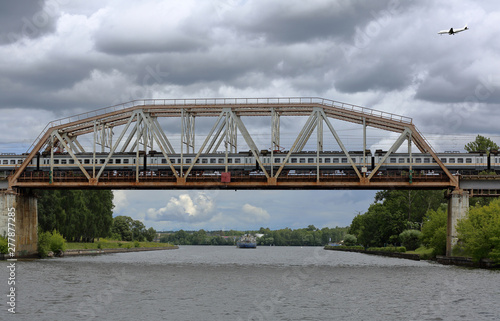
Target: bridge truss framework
(141,131)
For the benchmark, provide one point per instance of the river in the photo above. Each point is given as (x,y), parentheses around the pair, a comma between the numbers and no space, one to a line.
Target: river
(267,283)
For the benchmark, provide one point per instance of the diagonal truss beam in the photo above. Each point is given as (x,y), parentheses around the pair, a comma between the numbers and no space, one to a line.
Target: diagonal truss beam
(406,134)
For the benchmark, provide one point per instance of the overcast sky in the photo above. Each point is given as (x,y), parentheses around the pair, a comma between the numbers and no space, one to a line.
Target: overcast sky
(60,58)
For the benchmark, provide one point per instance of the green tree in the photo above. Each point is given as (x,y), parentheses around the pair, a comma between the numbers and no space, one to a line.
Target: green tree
(481,143)
(434,230)
(350,240)
(479,232)
(410,239)
(122,226)
(150,234)
(413,203)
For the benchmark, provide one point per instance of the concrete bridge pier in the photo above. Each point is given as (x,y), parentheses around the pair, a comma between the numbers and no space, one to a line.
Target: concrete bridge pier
(19,217)
(458,207)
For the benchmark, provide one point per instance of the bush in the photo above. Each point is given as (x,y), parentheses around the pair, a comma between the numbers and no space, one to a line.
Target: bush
(4,245)
(57,242)
(43,243)
(410,239)
(99,245)
(137,244)
(350,240)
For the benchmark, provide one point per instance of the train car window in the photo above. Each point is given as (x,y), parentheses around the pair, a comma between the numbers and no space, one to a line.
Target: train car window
(172,160)
(433,160)
(443,160)
(401,160)
(213,161)
(344,160)
(327,160)
(118,161)
(320,160)
(302,160)
(310,160)
(418,160)
(188,160)
(294,160)
(63,161)
(427,160)
(13,162)
(56,161)
(229,160)
(126,161)
(460,160)
(392,160)
(451,160)
(237,160)
(20,161)
(204,161)
(163,160)
(5,162)
(335,160)
(221,160)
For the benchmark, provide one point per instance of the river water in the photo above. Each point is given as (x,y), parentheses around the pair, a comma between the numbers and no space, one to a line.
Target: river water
(267,283)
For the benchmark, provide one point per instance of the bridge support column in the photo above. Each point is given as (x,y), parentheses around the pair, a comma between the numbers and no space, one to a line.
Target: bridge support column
(20,210)
(458,207)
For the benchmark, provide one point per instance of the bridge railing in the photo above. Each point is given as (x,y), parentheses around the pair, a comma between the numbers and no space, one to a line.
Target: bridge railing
(224,102)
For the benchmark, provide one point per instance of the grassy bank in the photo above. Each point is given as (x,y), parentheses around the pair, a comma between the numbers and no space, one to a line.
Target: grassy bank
(112,244)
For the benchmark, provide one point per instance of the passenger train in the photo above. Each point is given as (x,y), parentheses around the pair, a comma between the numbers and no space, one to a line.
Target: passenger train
(456,162)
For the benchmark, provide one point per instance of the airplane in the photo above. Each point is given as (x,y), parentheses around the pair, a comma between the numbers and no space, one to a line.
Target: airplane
(453,31)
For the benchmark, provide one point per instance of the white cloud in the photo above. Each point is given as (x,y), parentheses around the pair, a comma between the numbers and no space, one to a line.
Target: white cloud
(254,214)
(184,209)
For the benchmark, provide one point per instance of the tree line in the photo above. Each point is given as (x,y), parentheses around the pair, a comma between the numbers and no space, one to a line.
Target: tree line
(78,215)
(84,215)
(309,236)
(420,218)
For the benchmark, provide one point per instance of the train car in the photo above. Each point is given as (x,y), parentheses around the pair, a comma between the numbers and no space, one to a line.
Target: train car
(460,163)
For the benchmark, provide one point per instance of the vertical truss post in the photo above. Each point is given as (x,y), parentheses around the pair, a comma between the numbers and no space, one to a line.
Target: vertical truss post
(51,173)
(94,148)
(187,122)
(226,143)
(364,147)
(138,137)
(275,136)
(103,138)
(319,147)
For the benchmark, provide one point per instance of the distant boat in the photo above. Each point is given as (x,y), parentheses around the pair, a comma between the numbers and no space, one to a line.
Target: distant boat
(247,241)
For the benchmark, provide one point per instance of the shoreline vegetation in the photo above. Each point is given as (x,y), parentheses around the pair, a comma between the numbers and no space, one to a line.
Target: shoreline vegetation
(421,253)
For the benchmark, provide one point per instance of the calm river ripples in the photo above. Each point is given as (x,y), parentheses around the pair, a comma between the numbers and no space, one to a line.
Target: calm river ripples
(269,283)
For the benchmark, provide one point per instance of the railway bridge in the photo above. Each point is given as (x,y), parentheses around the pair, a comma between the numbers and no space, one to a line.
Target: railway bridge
(150,144)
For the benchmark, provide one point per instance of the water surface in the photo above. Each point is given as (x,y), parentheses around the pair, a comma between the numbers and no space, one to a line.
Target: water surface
(267,283)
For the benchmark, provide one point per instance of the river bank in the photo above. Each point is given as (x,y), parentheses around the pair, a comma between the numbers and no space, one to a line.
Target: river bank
(76,252)
(452,260)
(116,250)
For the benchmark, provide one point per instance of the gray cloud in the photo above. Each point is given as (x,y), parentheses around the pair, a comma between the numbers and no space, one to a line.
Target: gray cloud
(26,19)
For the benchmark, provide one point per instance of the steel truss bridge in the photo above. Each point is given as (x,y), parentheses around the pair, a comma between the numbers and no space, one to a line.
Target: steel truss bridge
(140,133)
